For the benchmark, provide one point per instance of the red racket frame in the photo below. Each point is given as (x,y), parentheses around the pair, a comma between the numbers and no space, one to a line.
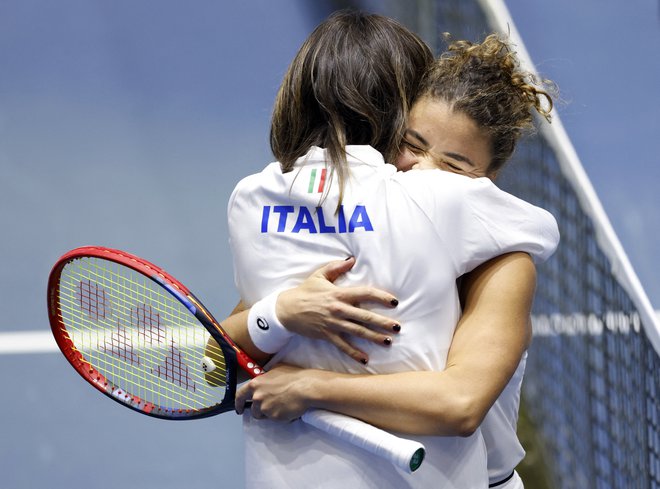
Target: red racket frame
(233,354)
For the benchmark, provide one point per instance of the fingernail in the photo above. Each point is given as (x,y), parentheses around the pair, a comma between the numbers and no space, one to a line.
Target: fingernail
(348,258)
(394,302)
(396,328)
(363,361)
(387,341)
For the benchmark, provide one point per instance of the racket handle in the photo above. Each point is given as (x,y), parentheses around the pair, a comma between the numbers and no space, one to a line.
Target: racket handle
(403,453)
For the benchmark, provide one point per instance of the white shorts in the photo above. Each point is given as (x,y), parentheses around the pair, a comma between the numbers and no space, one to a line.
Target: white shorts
(514,483)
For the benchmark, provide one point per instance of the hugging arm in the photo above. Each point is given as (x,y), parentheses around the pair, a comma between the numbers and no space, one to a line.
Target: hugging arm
(485,351)
(319,309)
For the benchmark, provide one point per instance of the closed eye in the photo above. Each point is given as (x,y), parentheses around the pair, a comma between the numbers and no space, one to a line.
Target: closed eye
(454,166)
(414,148)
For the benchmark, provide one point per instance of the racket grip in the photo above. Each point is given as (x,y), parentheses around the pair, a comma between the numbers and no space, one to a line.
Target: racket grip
(403,453)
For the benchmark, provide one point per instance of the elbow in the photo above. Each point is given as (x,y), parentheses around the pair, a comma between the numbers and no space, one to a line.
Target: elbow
(465,417)
(467,426)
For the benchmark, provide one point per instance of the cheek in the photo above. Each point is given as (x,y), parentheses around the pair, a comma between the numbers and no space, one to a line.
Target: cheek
(427,164)
(405,160)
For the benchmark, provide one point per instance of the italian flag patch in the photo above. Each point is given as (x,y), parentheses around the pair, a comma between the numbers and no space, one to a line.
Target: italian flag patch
(317,181)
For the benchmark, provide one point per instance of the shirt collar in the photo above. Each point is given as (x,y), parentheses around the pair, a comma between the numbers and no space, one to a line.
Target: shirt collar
(355,154)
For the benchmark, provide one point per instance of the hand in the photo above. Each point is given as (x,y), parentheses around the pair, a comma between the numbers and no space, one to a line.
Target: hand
(319,309)
(280,394)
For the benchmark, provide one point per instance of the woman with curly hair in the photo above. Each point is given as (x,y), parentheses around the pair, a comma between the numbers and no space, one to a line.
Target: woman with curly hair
(479,89)
(472,106)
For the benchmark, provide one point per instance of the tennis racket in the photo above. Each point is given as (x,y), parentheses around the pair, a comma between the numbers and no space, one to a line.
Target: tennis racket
(142,338)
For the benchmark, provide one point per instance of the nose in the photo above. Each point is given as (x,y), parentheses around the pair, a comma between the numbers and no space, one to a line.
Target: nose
(405,160)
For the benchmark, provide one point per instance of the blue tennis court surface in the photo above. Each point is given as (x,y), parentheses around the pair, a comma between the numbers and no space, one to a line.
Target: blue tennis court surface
(57,432)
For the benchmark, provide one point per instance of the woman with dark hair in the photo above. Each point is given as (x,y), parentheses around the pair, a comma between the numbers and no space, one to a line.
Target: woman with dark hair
(331,195)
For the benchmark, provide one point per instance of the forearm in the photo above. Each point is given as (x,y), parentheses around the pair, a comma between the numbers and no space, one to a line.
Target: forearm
(422,403)
(451,402)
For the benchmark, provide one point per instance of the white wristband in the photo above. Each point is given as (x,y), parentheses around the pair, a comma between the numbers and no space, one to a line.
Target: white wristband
(266,331)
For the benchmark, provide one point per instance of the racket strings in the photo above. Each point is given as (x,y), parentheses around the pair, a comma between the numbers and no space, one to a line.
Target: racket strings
(138,336)
(93,299)
(166,369)
(164,391)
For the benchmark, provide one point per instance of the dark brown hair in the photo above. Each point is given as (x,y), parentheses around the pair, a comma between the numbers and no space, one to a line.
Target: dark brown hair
(485,82)
(352,82)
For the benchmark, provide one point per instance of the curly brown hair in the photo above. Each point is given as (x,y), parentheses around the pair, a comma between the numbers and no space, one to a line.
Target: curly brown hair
(485,82)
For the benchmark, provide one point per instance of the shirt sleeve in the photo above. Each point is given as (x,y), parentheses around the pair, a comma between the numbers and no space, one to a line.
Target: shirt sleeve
(477,221)
(241,204)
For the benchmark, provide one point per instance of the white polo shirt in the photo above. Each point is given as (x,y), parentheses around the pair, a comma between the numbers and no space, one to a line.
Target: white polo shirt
(413,234)
(499,429)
